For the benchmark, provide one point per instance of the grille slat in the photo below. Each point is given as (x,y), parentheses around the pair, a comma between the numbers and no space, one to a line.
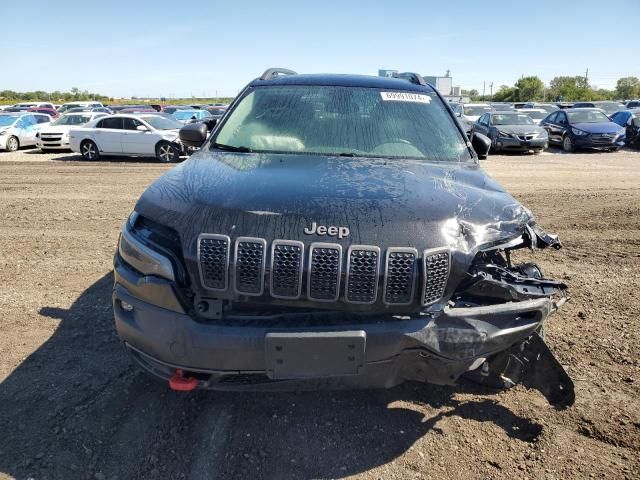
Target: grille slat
(287,258)
(363,268)
(325,268)
(249,262)
(213,261)
(436,265)
(399,276)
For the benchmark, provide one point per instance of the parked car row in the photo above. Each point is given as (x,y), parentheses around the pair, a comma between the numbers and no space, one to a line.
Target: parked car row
(525,127)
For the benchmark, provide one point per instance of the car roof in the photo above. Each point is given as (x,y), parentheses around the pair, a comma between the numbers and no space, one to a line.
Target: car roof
(343,80)
(505,112)
(476,105)
(542,110)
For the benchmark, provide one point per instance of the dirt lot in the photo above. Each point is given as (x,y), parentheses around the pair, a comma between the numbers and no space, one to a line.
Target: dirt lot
(72,406)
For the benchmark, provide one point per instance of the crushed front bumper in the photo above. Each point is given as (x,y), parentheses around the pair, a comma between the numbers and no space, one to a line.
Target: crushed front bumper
(437,347)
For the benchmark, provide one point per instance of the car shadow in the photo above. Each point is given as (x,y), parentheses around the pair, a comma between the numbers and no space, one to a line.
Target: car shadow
(78,408)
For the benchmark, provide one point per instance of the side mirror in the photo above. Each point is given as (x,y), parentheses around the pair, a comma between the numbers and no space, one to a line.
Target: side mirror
(481,144)
(193,134)
(142,128)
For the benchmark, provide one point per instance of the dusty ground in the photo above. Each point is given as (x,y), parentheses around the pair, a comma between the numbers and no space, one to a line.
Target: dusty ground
(72,406)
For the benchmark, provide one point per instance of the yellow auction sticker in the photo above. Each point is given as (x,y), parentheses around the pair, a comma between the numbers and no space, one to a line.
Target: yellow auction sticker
(405,97)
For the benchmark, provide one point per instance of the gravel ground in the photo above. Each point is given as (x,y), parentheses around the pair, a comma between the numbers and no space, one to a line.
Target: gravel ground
(73,406)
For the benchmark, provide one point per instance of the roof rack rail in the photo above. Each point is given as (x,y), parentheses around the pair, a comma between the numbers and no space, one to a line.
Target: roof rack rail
(411,77)
(271,73)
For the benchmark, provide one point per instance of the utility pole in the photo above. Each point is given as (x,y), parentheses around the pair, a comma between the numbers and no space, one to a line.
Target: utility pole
(483,89)
(491,91)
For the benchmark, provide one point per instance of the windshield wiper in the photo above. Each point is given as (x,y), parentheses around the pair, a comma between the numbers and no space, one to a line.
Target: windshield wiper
(231,148)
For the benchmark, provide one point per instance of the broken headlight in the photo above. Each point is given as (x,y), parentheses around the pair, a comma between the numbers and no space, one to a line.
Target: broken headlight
(141,257)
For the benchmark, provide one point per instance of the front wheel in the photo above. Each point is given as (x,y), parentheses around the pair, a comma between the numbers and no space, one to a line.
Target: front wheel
(567,144)
(12,144)
(167,153)
(89,150)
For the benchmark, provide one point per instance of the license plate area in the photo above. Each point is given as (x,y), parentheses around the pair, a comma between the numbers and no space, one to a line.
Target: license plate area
(295,355)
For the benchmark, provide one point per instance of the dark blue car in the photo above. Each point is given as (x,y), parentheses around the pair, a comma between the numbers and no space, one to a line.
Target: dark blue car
(583,128)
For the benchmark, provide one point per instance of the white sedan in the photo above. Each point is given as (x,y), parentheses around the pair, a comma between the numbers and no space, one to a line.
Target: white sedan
(18,129)
(56,135)
(142,135)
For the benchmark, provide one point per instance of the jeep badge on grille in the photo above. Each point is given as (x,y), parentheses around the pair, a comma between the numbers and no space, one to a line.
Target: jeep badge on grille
(331,231)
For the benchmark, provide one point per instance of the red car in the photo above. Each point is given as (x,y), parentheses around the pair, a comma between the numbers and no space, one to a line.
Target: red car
(49,111)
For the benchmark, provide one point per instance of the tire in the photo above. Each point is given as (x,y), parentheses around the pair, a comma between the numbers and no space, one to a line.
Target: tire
(167,153)
(567,144)
(89,150)
(13,144)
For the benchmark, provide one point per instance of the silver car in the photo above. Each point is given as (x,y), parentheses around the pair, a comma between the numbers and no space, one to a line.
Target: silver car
(513,131)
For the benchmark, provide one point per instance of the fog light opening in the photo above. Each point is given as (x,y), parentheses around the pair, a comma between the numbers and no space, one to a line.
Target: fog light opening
(127,307)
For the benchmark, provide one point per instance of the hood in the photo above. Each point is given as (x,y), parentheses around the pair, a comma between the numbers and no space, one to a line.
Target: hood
(382,202)
(604,127)
(521,129)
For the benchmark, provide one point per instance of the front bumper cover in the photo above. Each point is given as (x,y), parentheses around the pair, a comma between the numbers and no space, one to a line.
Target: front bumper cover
(436,347)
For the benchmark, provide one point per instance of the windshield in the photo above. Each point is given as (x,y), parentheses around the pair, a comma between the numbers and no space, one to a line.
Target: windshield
(536,115)
(64,108)
(548,108)
(343,121)
(185,115)
(72,120)
(610,107)
(511,119)
(162,123)
(475,111)
(587,116)
(6,120)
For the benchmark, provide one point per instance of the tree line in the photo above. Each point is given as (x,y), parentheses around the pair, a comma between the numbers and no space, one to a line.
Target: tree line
(7,96)
(75,94)
(563,88)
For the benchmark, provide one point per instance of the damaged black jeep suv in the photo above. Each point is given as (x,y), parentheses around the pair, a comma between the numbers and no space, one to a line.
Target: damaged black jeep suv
(334,230)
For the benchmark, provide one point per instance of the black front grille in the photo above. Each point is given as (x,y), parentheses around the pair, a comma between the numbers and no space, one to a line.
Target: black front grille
(436,274)
(288,262)
(602,139)
(287,258)
(363,268)
(324,272)
(249,265)
(399,280)
(213,254)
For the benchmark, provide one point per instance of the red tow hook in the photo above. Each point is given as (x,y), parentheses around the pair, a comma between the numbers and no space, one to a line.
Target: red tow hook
(180,383)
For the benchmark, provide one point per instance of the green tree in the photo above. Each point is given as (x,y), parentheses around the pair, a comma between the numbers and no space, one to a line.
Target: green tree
(529,88)
(628,87)
(505,94)
(570,88)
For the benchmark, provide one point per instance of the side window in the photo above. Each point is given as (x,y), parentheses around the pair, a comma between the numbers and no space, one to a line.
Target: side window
(562,118)
(553,117)
(29,121)
(487,119)
(113,123)
(131,123)
(481,120)
(42,119)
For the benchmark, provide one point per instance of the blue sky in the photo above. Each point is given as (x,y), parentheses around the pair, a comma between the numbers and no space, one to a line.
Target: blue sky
(173,48)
